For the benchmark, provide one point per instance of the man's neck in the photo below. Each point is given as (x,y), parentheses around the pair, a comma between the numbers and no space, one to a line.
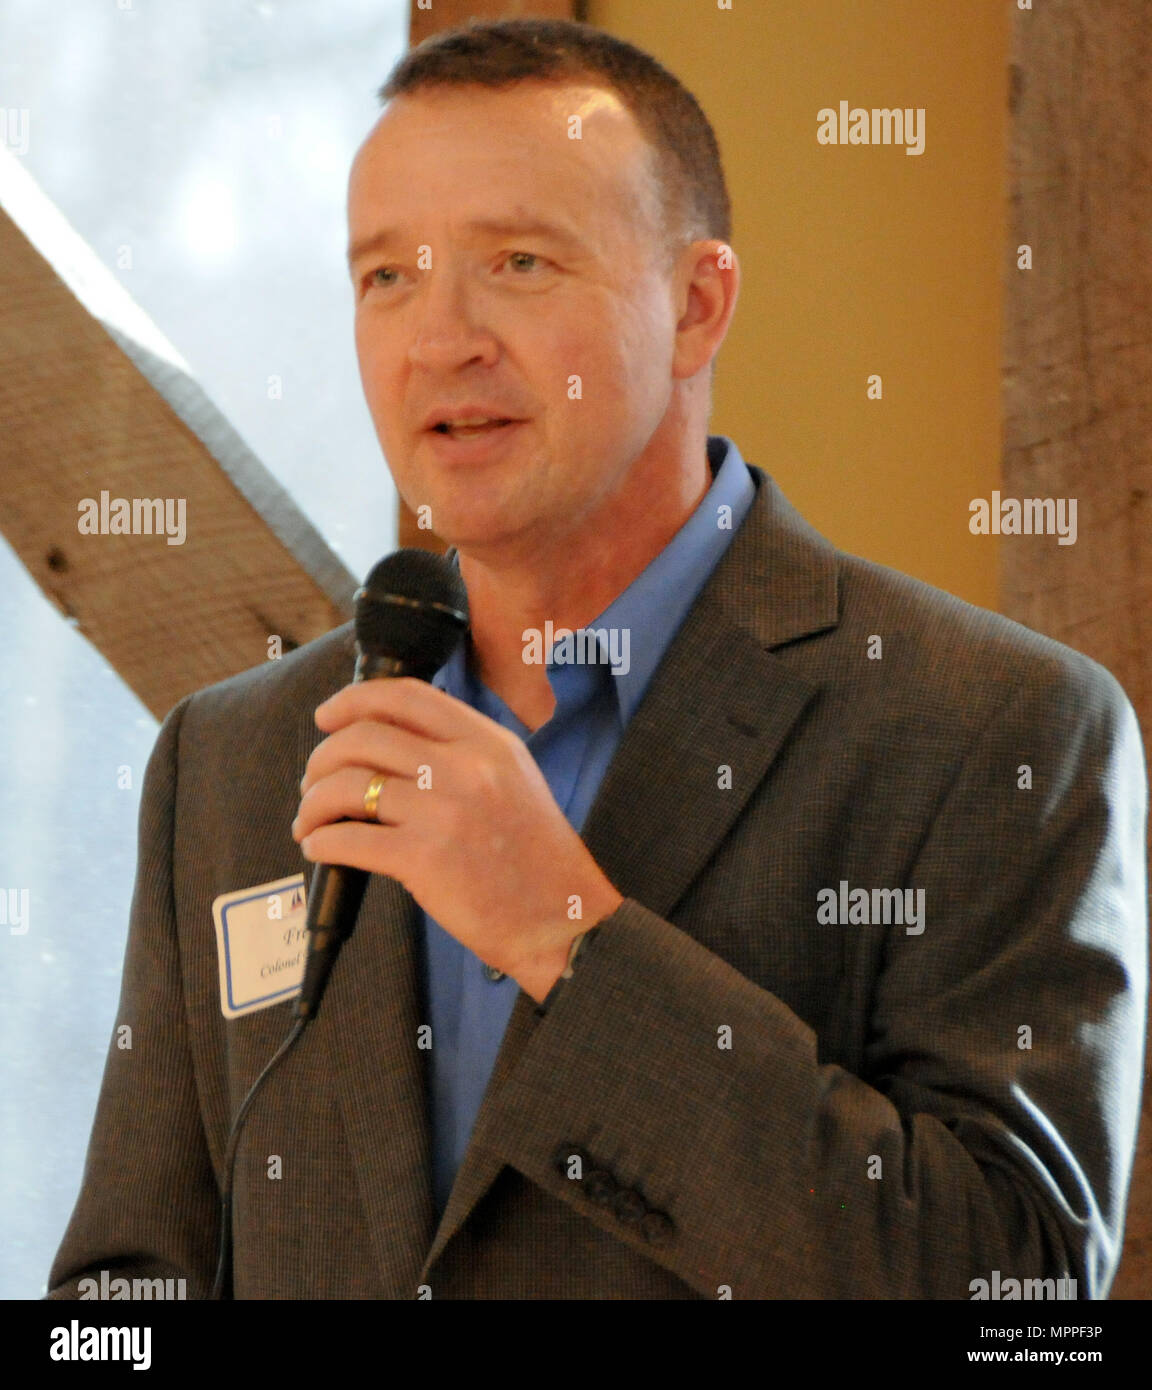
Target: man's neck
(568,585)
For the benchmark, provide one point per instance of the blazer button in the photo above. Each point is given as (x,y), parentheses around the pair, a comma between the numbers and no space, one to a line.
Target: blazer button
(656,1227)
(564,1153)
(629,1206)
(600,1187)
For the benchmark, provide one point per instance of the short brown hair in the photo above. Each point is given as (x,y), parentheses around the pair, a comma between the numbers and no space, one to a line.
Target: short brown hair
(497,53)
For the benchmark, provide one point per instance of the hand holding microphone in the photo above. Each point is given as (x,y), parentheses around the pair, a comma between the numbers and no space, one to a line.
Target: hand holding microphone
(410,614)
(466,822)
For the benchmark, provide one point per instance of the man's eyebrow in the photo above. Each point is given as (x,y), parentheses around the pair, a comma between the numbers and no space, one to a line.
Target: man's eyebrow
(533,227)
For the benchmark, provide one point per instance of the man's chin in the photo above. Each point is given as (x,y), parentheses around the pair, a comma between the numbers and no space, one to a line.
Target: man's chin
(478,519)
(488,537)
(457,509)
(475,539)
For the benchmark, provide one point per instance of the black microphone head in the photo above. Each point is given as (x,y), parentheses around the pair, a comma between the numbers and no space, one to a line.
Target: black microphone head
(412,608)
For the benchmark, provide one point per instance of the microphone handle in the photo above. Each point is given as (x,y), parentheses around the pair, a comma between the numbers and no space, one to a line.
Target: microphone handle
(337,891)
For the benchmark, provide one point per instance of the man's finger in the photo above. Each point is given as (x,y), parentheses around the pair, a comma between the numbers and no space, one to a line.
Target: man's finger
(369,743)
(409,703)
(341,797)
(380,849)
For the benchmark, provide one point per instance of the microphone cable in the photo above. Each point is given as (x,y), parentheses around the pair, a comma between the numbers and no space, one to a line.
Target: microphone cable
(222,1287)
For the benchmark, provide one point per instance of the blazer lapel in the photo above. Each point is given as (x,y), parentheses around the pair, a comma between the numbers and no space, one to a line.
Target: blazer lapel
(719,698)
(366,1037)
(378,1073)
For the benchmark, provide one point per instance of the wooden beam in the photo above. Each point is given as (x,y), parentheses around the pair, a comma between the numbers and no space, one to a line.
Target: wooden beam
(1078,370)
(94,400)
(424,21)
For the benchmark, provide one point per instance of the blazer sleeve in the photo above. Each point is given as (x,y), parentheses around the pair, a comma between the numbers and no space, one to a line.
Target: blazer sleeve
(992,1125)
(149,1204)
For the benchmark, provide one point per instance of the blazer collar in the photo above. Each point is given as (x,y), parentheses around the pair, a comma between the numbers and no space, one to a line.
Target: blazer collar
(778,578)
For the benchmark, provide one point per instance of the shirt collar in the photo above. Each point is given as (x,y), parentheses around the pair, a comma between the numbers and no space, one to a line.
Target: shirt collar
(649,612)
(653,607)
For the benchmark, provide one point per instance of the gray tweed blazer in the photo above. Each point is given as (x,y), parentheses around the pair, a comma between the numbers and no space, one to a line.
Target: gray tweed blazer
(749,1088)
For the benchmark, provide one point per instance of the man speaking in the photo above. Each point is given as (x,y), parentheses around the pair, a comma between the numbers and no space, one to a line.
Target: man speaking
(716,942)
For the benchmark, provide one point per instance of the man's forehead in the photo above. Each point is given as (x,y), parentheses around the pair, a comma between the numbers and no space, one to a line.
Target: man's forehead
(551,100)
(504,136)
(531,115)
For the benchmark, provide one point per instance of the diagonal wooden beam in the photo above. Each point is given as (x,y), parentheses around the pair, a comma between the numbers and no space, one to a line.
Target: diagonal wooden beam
(93,400)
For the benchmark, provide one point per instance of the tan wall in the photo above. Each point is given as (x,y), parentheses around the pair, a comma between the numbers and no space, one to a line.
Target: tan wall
(859,259)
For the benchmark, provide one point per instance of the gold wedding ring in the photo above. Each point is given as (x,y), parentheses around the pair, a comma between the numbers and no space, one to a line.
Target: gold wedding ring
(372,795)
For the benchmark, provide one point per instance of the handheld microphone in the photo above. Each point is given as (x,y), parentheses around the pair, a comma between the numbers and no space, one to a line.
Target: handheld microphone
(410,614)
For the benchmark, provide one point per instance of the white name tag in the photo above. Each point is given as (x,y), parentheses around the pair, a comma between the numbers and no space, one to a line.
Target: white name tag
(260,944)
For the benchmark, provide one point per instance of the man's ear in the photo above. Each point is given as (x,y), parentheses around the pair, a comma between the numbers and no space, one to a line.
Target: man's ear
(709,274)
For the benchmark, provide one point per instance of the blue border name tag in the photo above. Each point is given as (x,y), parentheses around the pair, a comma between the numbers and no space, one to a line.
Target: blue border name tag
(260,944)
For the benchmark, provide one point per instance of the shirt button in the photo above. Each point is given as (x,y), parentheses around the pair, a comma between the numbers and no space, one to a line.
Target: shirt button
(629,1206)
(491,973)
(600,1186)
(656,1227)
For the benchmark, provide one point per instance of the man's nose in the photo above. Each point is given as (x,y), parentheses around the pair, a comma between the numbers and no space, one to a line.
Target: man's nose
(449,324)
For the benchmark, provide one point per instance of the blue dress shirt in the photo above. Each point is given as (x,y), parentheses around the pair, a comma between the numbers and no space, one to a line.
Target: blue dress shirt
(468,1008)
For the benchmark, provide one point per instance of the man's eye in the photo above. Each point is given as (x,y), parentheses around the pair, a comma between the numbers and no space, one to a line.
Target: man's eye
(383,277)
(523,255)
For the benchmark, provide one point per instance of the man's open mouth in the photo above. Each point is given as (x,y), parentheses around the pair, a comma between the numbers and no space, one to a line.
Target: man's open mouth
(465,430)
